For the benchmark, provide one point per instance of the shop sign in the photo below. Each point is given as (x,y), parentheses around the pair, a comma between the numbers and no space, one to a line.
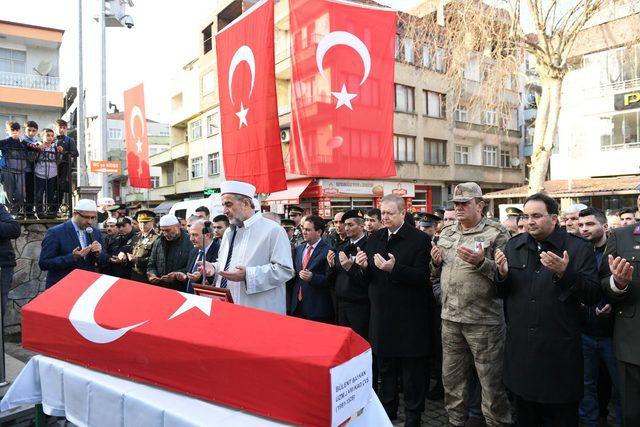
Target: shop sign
(626,101)
(354,188)
(402,189)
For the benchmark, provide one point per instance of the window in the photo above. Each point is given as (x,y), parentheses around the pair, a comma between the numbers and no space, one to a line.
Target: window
(439,65)
(4,118)
(435,151)
(426,56)
(490,118)
(490,155)
(13,61)
(115,133)
(461,155)
(214,164)
(505,158)
(405,148)
(155,181)
(620,131)
(163,133)
(404,99)
(195,130)
(434,104)
(461,115)
(206,38)
(397,47)
(472,70)
(208,83)
(407,45)
(196,167)
(213,124)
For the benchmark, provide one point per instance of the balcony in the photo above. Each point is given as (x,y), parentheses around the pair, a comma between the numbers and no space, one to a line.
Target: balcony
(30,81)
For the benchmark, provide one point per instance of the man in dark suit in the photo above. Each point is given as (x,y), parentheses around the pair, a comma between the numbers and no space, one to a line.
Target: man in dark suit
(545,275)
(310,296)
(69,246)
(396,264)
(621,284)
(204,246)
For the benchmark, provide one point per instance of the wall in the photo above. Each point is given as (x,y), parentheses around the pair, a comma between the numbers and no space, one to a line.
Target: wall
(28,279)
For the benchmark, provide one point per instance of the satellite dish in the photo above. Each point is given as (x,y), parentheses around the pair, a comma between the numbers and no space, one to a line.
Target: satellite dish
(515,162)
(43,68)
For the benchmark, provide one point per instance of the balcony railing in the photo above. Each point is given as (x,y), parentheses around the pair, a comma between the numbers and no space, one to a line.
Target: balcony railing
(29,81)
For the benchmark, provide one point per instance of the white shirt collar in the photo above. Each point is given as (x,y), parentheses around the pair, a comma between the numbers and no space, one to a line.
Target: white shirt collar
(313,246)
(353,242)
(395,232)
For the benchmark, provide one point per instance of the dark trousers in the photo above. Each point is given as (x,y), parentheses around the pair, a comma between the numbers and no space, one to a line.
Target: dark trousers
(355,315)
(299,312)
(30,190)
(535,414)
(413,385)
(630,393)
(46,195)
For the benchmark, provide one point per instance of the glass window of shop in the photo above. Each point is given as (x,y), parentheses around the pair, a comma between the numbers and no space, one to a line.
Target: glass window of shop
(615,66)
(615,202)
(345,204)
(620,131)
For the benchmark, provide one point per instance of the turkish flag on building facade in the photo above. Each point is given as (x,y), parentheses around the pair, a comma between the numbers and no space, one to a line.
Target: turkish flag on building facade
(251,148)
(342,89)
(135,131)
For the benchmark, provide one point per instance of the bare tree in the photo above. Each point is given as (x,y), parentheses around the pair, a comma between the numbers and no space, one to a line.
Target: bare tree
(469,29)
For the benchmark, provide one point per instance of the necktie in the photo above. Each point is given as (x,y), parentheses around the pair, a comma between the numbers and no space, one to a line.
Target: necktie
(200,256)
(83,239)
(305,261)
(223,281)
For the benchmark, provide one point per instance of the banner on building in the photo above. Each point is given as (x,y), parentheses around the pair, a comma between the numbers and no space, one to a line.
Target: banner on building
(135,131)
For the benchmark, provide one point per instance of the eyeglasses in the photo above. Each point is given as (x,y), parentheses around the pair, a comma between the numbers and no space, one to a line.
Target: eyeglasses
(86,216)
(534,217)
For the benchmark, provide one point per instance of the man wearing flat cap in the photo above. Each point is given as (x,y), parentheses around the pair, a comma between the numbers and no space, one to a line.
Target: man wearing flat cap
(473,324)
(170,255)
(141,245)
(76,243)
(254,260)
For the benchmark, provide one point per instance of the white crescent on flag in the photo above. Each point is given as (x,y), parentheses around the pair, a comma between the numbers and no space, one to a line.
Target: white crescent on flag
(82,315)
(136,112)
(243,54)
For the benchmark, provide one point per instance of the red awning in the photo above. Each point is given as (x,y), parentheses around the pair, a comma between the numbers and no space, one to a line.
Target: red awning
(291,195)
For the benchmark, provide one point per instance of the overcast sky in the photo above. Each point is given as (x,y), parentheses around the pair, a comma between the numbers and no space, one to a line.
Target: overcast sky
(164,38)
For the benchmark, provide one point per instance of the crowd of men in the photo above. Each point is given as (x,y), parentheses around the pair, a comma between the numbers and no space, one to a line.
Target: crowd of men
(35,166)
(531,322)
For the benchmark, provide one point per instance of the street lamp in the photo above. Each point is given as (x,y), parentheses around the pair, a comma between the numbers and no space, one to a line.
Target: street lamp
(116,17)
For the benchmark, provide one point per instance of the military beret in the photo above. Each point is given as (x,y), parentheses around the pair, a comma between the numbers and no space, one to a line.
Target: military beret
(353,213)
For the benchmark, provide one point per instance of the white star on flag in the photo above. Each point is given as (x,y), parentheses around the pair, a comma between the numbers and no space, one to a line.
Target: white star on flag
(344,98)
(242,115)
(191,301)
(139,145)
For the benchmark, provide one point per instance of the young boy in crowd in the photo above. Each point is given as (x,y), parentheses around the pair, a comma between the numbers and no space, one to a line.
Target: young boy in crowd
(13,151)
(46,171)
(31,142)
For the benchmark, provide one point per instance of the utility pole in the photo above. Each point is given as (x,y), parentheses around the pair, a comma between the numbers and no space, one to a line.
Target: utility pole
(103,91)
(83,178)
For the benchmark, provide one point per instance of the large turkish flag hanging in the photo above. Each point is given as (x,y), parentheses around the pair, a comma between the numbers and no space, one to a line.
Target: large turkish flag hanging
(342,93)
(251,148)
(135,131)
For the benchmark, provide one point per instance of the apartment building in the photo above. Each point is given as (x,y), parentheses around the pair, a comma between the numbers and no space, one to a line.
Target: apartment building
(119,188)
(435,148)
(599,124)
(29,73)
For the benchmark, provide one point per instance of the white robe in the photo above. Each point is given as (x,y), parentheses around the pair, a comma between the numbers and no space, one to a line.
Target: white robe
(263,248)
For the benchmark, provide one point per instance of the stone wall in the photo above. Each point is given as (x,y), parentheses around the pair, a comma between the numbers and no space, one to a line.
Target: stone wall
(28,279)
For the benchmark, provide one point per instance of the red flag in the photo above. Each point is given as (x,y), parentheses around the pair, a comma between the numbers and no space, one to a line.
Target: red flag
(135,131)
(342,103)
(273,365)
(251,148)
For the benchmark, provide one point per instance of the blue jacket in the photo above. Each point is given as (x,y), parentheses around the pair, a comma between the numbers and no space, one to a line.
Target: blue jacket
(316,297)
(56,255)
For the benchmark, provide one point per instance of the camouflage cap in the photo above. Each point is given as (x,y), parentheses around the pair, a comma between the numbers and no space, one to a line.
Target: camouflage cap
(466,191)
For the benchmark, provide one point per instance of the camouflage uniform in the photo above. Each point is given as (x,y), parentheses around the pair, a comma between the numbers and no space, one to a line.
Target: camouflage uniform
(141,245)
(473,328)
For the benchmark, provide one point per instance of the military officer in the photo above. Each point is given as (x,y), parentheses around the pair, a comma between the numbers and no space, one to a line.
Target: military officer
(141,245)
(296,214)
(511,223)
(119,262)
(473,324)
(429,223)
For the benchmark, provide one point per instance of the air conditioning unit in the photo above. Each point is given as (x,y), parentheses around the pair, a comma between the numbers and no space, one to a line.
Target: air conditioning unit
(285,135)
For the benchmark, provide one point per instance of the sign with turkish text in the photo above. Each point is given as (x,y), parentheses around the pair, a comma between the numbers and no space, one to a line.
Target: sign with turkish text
(354,188)
(135,131)
(342,89)
(102,166)
(251,149)
(277,366)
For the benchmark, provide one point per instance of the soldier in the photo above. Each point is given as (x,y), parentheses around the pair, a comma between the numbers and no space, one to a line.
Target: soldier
(511,223)
(473,325)
(141,246)
(123,242)
(338,235)
(296,214)
(289,226)
(429,223)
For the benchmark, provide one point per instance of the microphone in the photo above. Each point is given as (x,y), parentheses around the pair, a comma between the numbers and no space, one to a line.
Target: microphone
(89,232)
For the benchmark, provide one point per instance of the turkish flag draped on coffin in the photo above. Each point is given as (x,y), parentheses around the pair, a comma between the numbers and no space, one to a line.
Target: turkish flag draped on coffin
(342,94)
(251,148)
(135,131)
(273,365)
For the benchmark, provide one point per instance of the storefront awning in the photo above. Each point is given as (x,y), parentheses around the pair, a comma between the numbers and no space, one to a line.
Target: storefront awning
(291,195)
(165,207)
(576,188)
